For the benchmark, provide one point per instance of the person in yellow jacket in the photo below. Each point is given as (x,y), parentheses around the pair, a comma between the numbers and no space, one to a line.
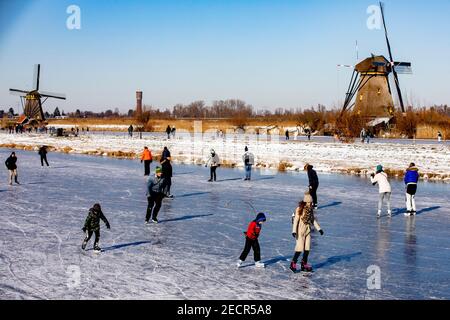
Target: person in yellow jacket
(301,231)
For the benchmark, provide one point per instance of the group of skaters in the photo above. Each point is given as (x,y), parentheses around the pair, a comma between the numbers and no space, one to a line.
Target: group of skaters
(303,220)
(171,131)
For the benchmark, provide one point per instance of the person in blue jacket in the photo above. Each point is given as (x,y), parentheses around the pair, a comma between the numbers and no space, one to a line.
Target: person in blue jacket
(411,180)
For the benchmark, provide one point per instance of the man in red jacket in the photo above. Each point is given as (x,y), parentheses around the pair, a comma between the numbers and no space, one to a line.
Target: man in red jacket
(251,241)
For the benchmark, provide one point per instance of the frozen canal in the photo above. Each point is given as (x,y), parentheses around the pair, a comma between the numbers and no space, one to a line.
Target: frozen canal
(191,254)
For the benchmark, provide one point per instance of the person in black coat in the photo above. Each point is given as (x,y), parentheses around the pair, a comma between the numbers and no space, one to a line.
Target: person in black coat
(43,153)
(11,164)
(167,171)
(313,182)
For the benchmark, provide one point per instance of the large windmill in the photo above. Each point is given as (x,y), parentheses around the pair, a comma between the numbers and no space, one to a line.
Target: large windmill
(370,83)
(32,110)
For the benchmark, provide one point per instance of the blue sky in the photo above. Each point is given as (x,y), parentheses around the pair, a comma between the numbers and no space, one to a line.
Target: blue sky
(269,53)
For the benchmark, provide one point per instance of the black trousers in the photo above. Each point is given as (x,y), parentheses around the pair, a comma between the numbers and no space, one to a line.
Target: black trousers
(313,192)
(44,158)
(168,181)
(154,205)
(411,189)
(147,167)
(251,244)
(213,173)
(89,236)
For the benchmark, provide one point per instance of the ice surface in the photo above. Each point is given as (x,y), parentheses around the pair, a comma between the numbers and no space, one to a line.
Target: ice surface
(191,254)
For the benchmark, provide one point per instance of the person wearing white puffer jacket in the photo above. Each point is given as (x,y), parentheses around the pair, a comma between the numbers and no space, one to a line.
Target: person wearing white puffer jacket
(385,189)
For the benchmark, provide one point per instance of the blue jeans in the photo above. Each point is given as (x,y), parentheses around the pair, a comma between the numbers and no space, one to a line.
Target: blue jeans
(248,171)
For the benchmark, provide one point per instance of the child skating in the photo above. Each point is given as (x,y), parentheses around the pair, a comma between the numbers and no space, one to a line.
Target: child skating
(92,225)
(301,231)
(251,241)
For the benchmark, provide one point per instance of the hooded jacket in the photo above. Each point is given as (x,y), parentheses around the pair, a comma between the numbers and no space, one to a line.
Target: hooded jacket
(412,176)
(248,158)
(155,185)
(312,177)
(92,222)
(254,228)
(213,160)
(11,163)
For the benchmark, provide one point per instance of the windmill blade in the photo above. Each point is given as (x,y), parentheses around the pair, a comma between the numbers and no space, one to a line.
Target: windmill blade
(36,76)
(17,92)
(403,67)
(46,94)
(397,82)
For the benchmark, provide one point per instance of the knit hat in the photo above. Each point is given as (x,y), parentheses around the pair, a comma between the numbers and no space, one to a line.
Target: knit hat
(308,198)
(97,207)
(379,168)
(261,217)
(158,170)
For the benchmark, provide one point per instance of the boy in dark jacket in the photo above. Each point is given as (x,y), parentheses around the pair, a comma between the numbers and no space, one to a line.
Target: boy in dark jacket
(411,180)
(167,171)
(155,195)
(11,164)
(251,241)
(92,225)
(43,153)
(313,183)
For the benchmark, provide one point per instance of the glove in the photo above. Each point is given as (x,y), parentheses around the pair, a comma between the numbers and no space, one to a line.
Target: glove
(108,226)
(373,175)
(321,232)
(294,235)
(84,229)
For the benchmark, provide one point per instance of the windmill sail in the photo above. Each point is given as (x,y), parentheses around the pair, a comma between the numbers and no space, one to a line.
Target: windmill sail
(397,82)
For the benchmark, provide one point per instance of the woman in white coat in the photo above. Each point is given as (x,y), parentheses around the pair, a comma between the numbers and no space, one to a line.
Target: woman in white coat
(385,189)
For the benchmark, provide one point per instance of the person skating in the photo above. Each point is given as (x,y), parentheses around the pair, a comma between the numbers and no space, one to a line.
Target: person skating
(301,231)
(130,131)
(168,132)
(155,195)
(411,180)
(11,164)
(147,158)
(213,162)
(287,135)
(439,136)
(43,153)
(92,226)
(251,241)
(249,161)
(385,190)
(313,180)
(167,171)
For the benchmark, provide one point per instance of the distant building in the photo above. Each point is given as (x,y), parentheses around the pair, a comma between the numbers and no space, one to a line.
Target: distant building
(139,95)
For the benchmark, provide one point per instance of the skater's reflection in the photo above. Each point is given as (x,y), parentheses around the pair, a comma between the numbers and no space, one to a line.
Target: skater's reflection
(410,248)
(383,240)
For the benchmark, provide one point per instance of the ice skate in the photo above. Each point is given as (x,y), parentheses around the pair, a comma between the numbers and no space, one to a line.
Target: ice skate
(293,267)
(155,221)
(97,249)
(389,213)
(84,244)
(239,263)
(260,265)
(306,267)
(379,214)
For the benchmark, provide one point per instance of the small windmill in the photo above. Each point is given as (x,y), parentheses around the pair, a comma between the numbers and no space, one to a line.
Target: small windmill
(370,83)
(33,99)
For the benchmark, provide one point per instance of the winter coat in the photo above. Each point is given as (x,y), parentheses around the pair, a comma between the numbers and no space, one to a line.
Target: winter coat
(253,230)
(11,163)
(42,151)
(312,177)
(147,155)
(165,154)
(382,179)
(167,170)
(92,222)
(248,158)
(155,185)
(213,161)
(412,176)
(304,218)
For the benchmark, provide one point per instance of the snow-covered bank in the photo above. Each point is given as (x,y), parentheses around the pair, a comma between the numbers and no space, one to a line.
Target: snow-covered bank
(271,154)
